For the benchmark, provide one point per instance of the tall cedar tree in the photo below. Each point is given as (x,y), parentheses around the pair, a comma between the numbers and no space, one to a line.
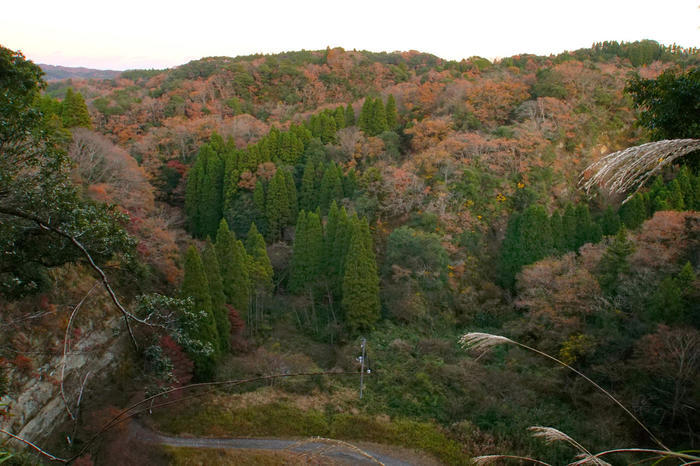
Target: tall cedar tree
(291,197)
(331,186)
(339,115)
(586,230)
(296,276)
(329,238)
(361,281)
(392,118)
(308,248)
(558,240)
(378,118)
(614,262)
(528,239)
(260,268)
(349,183)
(203,197)
(328,128)
(233,262)
(341,243)
(568,222)
(610,222)
(195,286)
(74,112)
(218,298)
(277,206)
(308,196)
(633,212)
(365,116)
(349,116)
(259,217)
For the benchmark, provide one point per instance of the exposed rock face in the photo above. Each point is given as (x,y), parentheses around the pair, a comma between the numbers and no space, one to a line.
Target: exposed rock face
(37,408)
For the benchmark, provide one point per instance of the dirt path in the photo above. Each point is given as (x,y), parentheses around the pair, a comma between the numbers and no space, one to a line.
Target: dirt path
(338,451)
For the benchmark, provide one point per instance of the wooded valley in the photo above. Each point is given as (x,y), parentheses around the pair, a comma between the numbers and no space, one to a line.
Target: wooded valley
(179,244)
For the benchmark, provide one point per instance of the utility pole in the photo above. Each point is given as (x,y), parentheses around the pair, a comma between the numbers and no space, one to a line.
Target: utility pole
(362,365)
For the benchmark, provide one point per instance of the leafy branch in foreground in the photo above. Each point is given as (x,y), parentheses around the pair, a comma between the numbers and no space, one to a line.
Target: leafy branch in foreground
(483,341)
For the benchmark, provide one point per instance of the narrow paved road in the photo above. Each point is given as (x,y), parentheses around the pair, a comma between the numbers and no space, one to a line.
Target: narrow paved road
(333,449)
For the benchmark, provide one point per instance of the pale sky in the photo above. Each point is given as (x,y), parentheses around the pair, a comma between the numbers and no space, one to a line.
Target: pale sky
(126,34)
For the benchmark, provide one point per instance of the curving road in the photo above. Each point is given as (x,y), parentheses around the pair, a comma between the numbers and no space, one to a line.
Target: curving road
(333,449)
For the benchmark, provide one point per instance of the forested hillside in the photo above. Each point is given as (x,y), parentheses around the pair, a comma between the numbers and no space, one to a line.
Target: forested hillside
(257,216)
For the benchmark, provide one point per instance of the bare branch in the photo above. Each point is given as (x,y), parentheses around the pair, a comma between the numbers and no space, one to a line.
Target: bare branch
(66,343)
(43,452)
(47,226)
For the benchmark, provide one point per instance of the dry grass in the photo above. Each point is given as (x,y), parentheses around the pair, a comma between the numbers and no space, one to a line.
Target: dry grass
(627,170)
(215,457)
(341,399)
(482,341)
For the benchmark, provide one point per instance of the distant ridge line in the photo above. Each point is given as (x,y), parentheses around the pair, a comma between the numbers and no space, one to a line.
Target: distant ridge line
(57,73)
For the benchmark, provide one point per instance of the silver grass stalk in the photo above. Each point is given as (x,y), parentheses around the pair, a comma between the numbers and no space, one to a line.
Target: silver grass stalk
(482,341)
(332,443)
(660,454)
(490,459)
(551,435)
(627,170)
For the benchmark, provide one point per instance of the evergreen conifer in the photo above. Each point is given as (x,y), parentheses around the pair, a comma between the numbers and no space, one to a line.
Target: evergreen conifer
(218,298)
(195,286)
(277,206)
(392,119)
(260,268)
(614,262)
(349,116)
(360,301)
(233,262)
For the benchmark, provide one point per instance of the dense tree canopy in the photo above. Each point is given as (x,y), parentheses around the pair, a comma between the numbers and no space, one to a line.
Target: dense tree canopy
(670,104)
(37,196)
